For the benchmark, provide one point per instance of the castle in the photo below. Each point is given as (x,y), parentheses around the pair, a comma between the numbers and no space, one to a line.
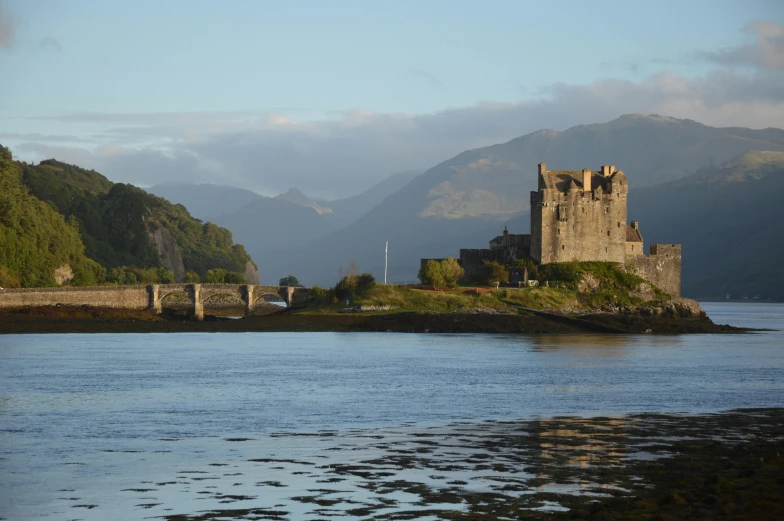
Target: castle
(581,216)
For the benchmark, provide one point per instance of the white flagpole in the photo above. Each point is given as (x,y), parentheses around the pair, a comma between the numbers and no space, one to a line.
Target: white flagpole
(386,252)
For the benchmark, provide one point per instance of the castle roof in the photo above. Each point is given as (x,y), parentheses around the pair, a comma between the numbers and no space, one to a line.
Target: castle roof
(564,180)
(633,234)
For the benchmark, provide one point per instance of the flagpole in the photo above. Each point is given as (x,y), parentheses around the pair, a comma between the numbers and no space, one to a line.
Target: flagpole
(386,253)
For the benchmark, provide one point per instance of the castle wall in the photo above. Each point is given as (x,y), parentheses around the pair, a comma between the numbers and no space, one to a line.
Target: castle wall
(634,249)
(577,226)
(662,267)
(472,260)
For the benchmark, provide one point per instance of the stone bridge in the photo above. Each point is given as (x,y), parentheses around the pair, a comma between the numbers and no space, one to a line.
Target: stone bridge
(194,296)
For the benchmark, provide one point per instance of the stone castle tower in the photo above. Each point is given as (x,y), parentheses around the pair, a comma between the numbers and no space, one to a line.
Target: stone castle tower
(579,215)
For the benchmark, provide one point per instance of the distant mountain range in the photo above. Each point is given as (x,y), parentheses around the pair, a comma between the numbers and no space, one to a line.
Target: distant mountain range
(274,225)
(715,190)
(456,202)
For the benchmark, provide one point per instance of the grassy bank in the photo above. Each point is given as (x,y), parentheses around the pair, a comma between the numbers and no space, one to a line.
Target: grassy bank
(572,286)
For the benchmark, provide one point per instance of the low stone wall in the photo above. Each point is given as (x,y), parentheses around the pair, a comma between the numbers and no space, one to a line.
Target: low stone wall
(125,297)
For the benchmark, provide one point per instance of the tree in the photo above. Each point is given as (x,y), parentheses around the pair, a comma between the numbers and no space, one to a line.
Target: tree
(215,276)
(232,277)
(432,274)
(289,280)
(494,272)
(191,277)
(451,271)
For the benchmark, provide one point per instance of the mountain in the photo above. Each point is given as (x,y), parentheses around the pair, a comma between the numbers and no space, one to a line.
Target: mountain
(205,201)
(121,225)
(483,188)
(496,180)
(294,196)
(270,225)
(347,210)
(728,219)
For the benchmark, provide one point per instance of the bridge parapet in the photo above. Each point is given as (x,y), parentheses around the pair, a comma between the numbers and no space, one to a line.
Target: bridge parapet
(151,296)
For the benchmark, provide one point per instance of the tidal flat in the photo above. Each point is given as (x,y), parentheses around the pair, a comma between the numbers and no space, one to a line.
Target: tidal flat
(638,466)
(86,319)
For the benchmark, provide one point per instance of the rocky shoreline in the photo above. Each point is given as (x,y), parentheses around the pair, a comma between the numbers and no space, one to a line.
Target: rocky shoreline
(85,319)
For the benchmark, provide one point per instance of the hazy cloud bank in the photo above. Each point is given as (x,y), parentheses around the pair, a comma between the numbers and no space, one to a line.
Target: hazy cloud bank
(350,151)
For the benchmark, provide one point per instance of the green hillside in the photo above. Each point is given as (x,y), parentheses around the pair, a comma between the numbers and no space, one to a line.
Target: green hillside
(728,219)
(35,240)
(119,226)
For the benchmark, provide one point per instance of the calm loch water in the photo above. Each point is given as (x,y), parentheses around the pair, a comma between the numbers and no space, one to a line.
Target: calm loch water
(148,426)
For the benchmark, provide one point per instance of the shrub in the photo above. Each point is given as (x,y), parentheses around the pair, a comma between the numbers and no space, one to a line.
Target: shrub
(494,272)
(365,282)
(345,288)
(7,280)
(289,280)
(232,277)
(164,276)
(191,277)
(318,294)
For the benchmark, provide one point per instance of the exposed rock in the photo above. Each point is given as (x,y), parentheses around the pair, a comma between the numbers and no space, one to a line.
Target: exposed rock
(675,308)
(360,309)
(687,308)
(168,252)
(251,274)
(63,275)
(587,283)
(643,292)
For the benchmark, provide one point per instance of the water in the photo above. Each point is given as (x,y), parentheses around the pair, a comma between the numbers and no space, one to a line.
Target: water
(136,426)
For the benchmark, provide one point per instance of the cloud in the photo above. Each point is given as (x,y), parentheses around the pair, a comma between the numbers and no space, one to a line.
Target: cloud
(352,150)
(348,151)
(6,28)
(51,44)
(766,53)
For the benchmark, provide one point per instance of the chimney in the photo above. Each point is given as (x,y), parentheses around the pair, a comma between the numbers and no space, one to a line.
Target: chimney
(587,180)
(605,170)
(613,169)
(635,225)
(542,168)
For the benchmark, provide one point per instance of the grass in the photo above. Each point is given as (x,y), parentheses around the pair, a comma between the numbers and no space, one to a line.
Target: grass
(614,287)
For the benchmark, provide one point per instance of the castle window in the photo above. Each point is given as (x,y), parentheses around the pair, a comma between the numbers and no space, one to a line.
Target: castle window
(619,224)
(563,247)
(605,250)
(608,233)
(632,247)
(559,231)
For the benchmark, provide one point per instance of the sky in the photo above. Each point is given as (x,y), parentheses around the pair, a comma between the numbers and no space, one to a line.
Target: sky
(334,96)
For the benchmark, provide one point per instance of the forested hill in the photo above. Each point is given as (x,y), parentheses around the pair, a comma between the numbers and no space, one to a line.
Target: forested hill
(120,226)
(35,240)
